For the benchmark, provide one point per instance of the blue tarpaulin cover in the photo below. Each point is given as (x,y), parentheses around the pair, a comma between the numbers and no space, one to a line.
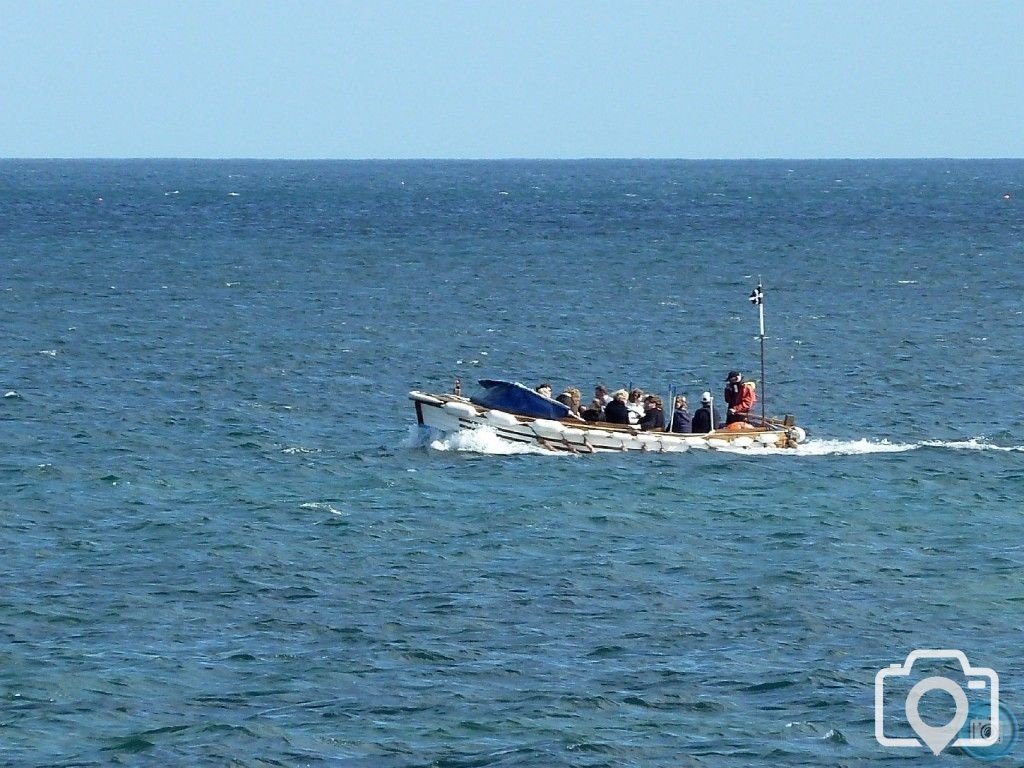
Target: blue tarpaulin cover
(513,397)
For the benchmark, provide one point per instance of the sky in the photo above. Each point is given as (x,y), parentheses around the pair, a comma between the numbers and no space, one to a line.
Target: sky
(512,79)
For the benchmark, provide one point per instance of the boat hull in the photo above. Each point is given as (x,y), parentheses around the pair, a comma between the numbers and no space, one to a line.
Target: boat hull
(451,413)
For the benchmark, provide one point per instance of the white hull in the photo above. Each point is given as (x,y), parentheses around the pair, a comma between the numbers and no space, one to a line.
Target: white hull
(451,413)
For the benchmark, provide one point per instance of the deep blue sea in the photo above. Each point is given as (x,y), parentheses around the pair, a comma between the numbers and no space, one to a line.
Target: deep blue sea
(225,542)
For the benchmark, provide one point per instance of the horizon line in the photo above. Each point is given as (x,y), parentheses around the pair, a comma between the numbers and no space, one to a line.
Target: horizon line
(524,158)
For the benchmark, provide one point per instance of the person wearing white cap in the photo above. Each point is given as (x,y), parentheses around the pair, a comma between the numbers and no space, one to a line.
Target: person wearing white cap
(704,418)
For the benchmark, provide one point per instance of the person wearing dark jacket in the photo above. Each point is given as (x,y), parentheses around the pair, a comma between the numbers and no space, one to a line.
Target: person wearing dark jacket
(704,418)
(595,412)
(616,411)
(654,417)
(681,418)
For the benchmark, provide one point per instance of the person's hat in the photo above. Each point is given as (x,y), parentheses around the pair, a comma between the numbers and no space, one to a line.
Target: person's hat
(706,397)
(732,374)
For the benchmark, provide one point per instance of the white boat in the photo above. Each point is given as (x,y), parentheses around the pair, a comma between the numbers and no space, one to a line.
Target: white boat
(521,415)
(451,413)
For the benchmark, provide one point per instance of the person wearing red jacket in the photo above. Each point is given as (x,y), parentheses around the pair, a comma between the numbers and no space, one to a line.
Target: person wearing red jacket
(740,396)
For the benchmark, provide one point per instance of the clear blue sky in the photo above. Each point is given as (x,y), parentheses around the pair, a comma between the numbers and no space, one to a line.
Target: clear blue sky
(516,78)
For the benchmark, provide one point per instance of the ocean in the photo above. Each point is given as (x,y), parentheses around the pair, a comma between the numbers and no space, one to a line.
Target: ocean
(226,542)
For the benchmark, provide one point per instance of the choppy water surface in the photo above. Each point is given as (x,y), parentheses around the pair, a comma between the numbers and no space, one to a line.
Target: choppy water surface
(226,543)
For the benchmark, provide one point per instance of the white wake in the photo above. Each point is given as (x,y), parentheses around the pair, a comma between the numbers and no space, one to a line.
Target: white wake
(825,447)
(485,440)
(480,440)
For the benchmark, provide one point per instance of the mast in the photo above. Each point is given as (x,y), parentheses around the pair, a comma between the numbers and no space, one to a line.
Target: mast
(757,297)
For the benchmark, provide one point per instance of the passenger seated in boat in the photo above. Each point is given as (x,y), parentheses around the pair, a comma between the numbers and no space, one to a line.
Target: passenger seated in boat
(571,398)
(597,405)
(704,418)
(635,404)
(681,418)
(654,416)
(616,411)
(543,389)
(594,412)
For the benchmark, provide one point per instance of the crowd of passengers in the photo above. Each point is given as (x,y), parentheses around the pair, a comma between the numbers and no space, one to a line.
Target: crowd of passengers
(646,411)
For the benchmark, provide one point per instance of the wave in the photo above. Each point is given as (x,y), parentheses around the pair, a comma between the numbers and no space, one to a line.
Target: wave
(974,444)
(485,440)
(866,446)
(320,506)
(480,440)
(848,447)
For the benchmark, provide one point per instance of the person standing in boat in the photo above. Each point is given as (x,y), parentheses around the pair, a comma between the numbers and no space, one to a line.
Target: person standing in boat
(740,396)
(681,418)
(616,411)
(654,416)
(704,418)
